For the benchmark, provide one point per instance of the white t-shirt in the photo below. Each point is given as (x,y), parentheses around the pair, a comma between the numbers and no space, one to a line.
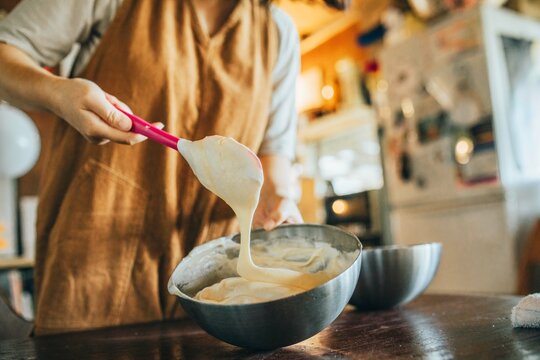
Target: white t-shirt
(47,30)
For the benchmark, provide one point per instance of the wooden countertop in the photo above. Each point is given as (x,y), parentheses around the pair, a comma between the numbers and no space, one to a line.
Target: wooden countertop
(435,326)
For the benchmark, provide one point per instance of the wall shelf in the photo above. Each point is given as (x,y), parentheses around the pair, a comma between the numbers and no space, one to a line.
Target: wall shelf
(15,263)
(327,32)
(336,123)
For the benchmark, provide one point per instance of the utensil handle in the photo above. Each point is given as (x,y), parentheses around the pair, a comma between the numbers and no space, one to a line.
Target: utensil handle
(143,127)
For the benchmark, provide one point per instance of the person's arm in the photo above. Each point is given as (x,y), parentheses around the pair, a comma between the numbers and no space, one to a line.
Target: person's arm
(23,83)
(16,71)
(276,205)
(41,33)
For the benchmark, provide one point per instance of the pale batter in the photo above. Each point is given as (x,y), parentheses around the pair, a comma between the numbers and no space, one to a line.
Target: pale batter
(300,254)
(234,173)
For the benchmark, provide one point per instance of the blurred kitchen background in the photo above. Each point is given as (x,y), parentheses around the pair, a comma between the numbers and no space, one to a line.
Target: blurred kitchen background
(418,123)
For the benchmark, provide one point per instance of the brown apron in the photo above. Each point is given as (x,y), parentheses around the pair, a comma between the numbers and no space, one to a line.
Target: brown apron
(115,220)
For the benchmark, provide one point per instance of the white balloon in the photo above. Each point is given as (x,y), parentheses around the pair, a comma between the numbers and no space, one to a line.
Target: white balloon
(19,142)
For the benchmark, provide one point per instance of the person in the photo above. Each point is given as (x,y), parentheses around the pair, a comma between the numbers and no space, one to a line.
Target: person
(114,220)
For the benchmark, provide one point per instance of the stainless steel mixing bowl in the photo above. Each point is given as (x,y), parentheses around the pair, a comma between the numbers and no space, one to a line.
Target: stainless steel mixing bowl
(272,324)
(394,275)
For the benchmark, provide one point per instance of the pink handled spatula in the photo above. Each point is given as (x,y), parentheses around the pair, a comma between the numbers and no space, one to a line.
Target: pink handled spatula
(143,127)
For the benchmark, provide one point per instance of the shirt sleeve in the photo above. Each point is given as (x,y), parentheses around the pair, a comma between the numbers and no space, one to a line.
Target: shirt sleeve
(47,29)
(280,136)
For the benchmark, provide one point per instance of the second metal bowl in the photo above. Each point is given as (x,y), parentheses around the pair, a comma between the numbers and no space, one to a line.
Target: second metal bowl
(394,275)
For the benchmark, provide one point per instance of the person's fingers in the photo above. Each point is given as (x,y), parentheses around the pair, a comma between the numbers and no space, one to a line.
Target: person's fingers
(128,138)
(258,217)
(276,218)
(287,212)
(108,113)
(114,100)
(257,223)
(123,138)
(269,225)
(106,123)
(98,140)
(100,132)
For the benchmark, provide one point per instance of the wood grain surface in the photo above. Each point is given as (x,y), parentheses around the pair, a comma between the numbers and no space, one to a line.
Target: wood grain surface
(434,326)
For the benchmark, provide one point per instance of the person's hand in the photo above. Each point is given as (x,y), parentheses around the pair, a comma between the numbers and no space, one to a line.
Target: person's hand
(86,107)
(274,210)
(275,205)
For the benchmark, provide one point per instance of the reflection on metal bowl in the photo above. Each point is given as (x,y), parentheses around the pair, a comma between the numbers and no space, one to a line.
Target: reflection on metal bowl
(394,275)
(272,324)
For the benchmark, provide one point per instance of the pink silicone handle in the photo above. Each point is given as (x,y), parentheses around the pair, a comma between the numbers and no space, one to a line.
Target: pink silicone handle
(143,127)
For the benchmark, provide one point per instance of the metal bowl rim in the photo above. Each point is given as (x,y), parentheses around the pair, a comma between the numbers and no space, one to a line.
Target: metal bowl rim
(304,293)
(397,247)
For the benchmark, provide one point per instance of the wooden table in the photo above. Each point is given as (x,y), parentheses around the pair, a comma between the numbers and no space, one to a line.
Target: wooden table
(434,326)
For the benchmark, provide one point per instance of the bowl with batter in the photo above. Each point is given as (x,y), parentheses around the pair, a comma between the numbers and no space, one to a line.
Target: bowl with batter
(322,264)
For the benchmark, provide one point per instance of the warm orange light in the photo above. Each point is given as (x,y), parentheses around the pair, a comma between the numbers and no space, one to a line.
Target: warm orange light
(340,207)
(463,150)
(407,107)
(327,92)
